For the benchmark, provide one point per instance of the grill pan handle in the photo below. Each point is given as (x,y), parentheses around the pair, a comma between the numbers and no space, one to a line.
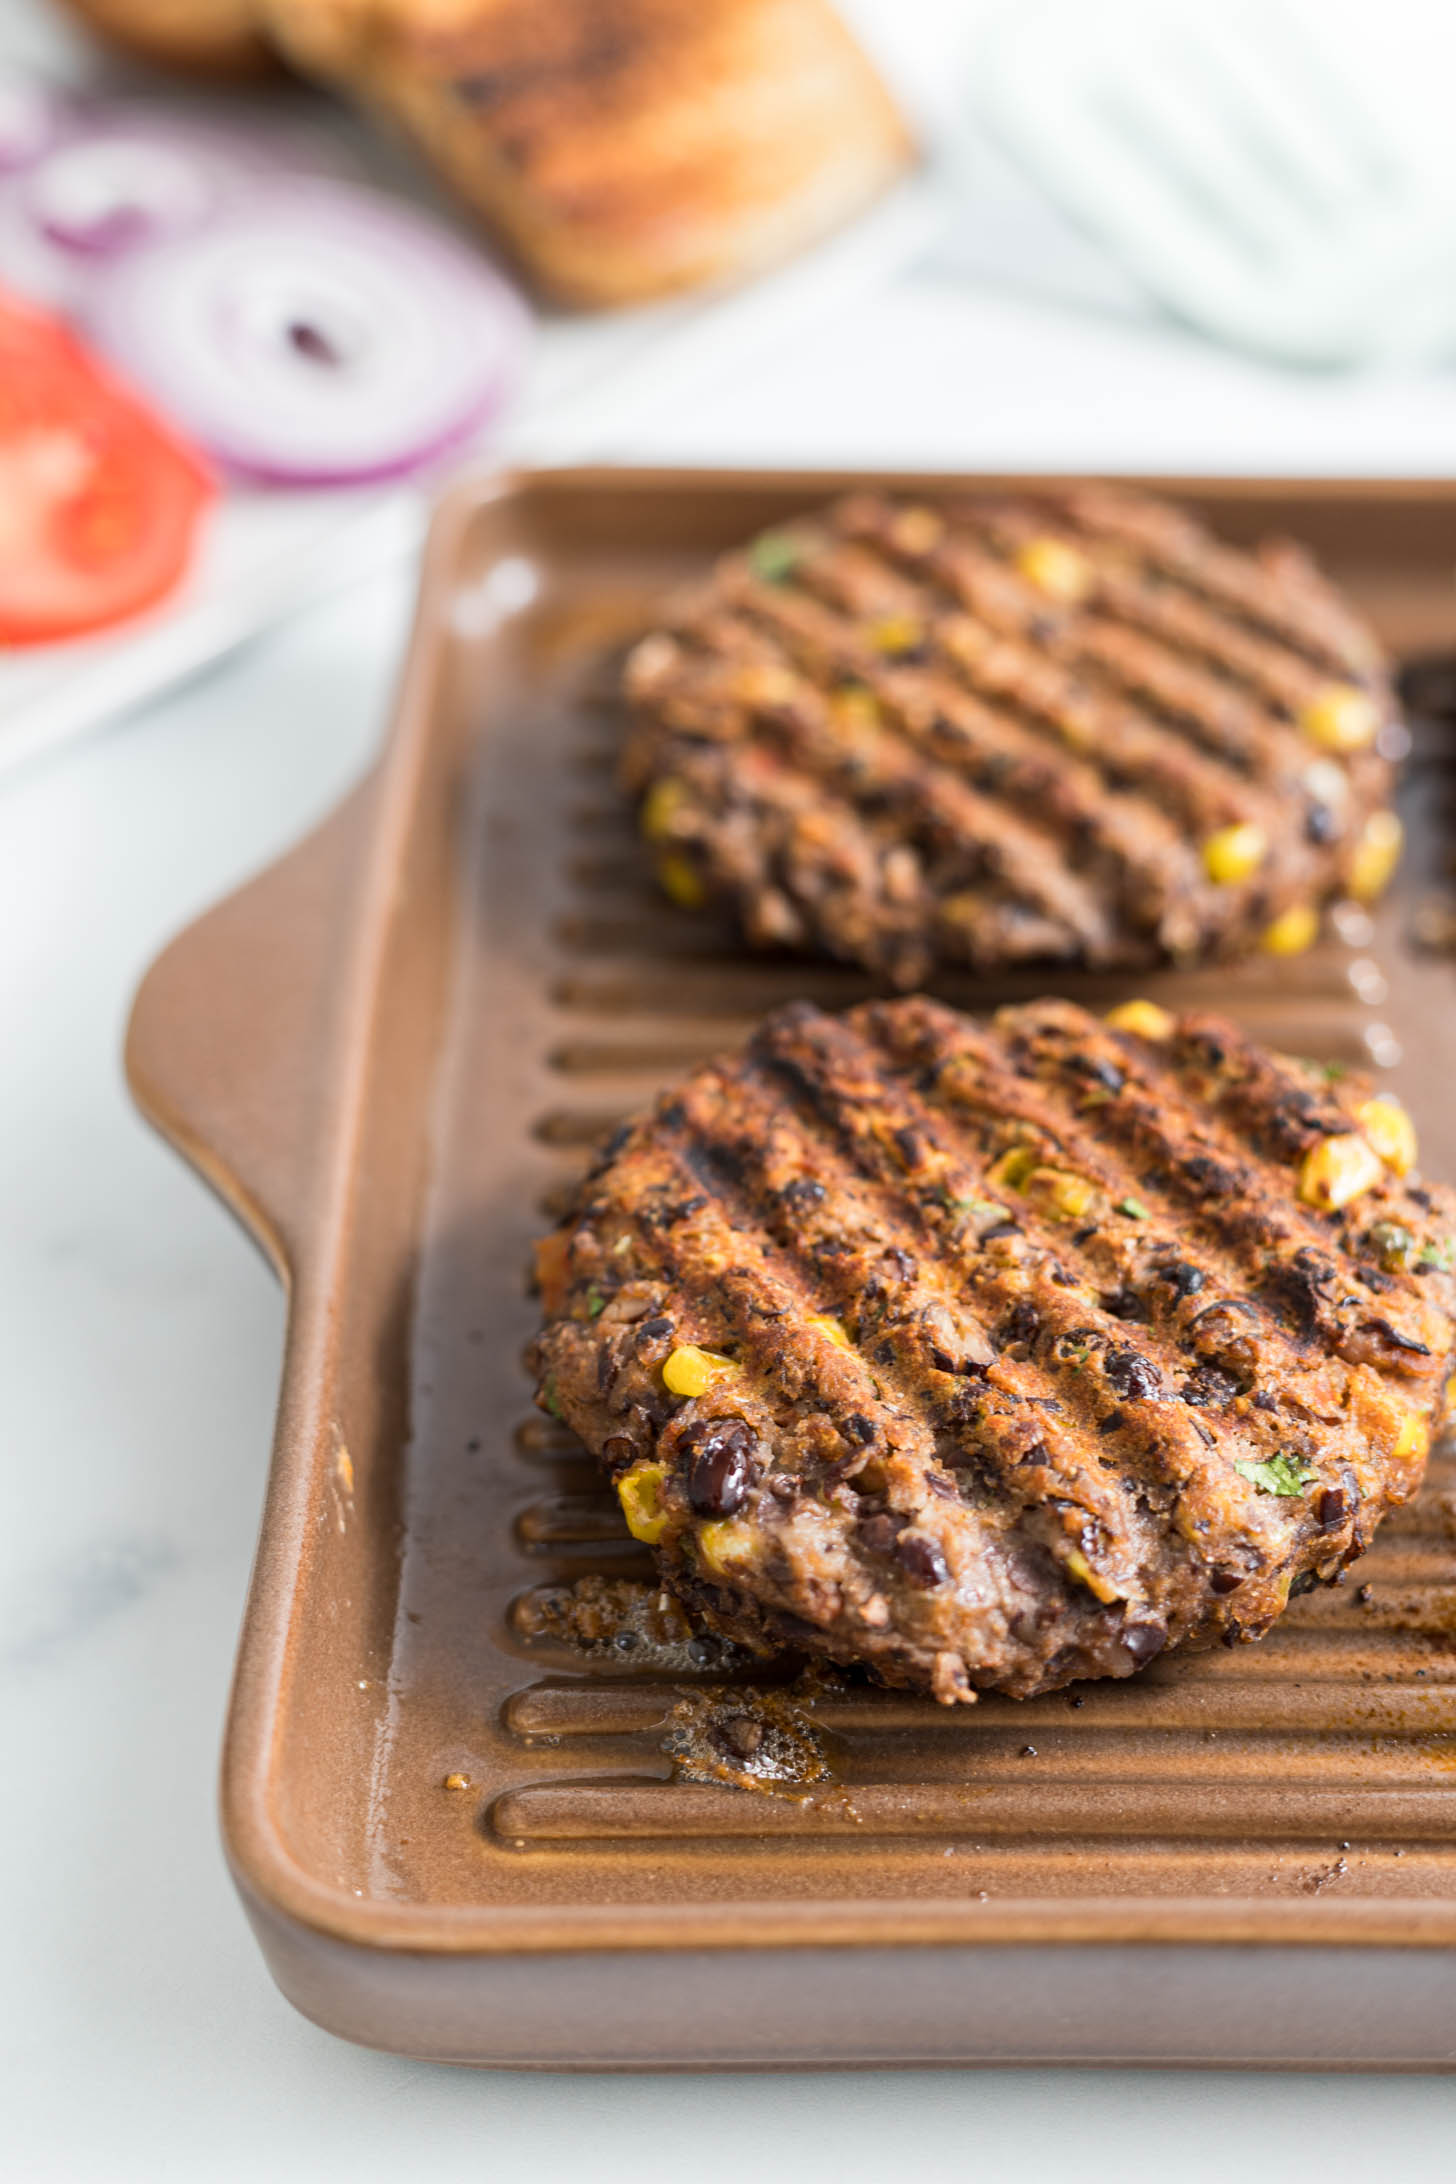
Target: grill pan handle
(231,1034)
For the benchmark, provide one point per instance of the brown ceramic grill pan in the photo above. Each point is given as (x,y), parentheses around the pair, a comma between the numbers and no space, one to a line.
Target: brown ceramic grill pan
(388,1054)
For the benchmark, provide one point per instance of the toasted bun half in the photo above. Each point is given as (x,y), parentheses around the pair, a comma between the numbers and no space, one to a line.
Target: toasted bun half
(621,148)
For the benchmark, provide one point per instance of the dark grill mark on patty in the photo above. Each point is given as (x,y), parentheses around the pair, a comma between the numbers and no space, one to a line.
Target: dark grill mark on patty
(867,1416)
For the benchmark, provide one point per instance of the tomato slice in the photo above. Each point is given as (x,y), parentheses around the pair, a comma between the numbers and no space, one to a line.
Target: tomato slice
(99,501)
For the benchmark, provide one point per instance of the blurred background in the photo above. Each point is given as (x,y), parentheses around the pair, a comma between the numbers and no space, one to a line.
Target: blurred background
(1141,236)
(270,272)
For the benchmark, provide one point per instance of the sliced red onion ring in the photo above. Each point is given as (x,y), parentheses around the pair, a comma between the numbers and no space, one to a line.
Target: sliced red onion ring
(112,178)
(318,338)
(110,192)
(30,122)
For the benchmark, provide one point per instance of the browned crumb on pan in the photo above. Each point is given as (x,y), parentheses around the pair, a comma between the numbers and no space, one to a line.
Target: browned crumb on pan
(624,1621)
(753,1740)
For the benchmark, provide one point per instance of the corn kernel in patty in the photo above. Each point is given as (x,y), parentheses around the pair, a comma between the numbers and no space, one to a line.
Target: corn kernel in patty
(660,807)
(692,1371)
(1144,1019)
(826,1324)
(1292,931)
(640,1493)
(1376,855)
(1235,853)
(917,530)
(679,878)
(1414,1435)
(1337,1170)
(1079,1567)
(897,633)
(1340,718)
(725,1541)
(1386,1125)
(1068,1196)
(1056,569)
(1010,1172)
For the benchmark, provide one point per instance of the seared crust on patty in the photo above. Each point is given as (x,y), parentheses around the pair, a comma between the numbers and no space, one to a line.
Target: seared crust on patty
(994,1356)
(999,731)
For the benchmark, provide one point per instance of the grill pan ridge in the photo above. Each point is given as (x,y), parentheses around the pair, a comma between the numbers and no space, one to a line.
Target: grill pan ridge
(390,1055)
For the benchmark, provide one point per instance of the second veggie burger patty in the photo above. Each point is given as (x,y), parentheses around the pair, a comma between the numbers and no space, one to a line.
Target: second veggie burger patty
(993,1356)
(995,731)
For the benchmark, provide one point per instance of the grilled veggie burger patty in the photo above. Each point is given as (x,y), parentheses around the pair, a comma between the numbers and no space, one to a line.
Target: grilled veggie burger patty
(999,731)
(995,1355)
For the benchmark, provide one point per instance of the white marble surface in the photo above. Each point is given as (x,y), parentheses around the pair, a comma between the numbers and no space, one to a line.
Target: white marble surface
(140,2037)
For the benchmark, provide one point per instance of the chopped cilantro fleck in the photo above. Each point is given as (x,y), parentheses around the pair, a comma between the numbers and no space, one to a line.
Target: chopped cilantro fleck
(1286,1476)
(548,1398)
(1133,1208)
(774,557)
(1442,1255)
(595,1302)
